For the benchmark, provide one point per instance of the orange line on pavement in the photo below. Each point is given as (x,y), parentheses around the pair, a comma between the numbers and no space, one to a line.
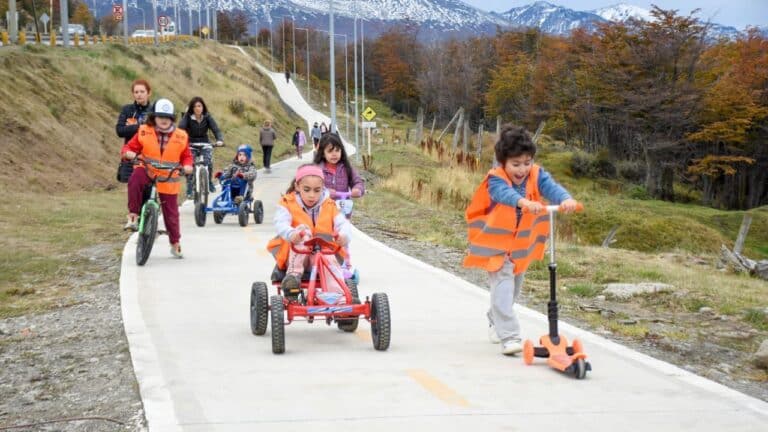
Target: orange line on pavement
(437,388)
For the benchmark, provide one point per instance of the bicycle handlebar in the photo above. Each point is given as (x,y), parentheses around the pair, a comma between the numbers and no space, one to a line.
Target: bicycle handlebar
(162,166)
(316,243)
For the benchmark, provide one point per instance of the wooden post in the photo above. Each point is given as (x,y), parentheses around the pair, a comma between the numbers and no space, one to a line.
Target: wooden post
(498,128)
(465,147)
(432,131)
(419,125)
(456,131)
(745,223)
(539,129)
(479,141)
(455,116)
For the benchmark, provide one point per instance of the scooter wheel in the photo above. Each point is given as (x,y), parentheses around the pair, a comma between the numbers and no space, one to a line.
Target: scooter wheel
(577,347)
(528,352)
(580,368)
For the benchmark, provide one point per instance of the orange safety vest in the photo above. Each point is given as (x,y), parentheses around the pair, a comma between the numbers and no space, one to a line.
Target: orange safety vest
(494,234)
(323,227)
(171,154)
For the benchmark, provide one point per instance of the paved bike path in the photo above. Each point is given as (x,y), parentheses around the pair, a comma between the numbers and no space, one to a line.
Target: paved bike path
(199,367)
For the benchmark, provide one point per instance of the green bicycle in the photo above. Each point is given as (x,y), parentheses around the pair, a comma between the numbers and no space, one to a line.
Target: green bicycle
(150,213)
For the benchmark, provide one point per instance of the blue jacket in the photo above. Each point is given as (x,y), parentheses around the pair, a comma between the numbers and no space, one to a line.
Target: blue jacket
(501,193)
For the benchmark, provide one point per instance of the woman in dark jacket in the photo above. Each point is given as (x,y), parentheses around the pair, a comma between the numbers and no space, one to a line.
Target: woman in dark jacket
(134,114)
(197,121)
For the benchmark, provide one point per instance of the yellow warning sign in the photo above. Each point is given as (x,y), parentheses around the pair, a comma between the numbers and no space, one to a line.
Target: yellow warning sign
(369,114)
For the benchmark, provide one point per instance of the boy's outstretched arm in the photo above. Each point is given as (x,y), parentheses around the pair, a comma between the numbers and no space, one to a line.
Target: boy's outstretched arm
(503,193)
(551,190)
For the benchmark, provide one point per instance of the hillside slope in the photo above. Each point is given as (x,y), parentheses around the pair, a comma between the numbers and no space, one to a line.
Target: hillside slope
(59,123)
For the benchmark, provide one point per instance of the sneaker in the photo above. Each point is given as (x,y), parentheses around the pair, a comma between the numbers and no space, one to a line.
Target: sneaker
(238,199)
(290,285)
(511,347)
(492,335)
(190,197)
(267,170)
(176,251)
(131,225)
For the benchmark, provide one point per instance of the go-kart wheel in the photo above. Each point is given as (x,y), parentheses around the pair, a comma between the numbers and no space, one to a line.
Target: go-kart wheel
(577,347)
(278,325)
(259,297)
(580,368)
(218,217)
(200,215)
(147,235)
(381,325)
(528,352)
(242,214)
(258,212)
(349,325)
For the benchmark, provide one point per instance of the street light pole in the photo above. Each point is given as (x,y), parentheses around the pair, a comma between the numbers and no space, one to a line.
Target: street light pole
(346,77)
(307,49)
(271,48)
(362,75)
(293,42)
(154,24)
(282,41)
(125,20)
(357,114)
(333,70)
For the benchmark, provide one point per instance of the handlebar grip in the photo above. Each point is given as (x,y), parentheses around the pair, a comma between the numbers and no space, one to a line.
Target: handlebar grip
(556,208)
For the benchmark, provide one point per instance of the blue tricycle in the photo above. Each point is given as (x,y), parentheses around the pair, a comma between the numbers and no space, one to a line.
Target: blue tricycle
(225,203)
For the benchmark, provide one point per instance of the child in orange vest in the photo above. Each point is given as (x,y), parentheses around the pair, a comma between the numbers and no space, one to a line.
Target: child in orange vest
(159,139)
(306,210)
(503,239)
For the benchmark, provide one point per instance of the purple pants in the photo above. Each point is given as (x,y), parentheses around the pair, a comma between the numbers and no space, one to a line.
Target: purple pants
(168,202)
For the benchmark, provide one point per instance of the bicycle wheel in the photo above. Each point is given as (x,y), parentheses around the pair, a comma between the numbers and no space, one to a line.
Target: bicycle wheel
(203,185)
(147,235)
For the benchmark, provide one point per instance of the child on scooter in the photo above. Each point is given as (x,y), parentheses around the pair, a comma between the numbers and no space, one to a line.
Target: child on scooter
(306,210)
(242,169)
(503,239)
(338,173)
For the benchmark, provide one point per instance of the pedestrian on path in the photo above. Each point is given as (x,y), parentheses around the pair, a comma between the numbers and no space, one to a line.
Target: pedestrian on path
(160,141)
(267,137)
(131,117)
(502,239)
(287,76)
(299,140)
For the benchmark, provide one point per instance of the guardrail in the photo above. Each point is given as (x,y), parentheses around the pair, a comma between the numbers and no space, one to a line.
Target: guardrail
(77,40)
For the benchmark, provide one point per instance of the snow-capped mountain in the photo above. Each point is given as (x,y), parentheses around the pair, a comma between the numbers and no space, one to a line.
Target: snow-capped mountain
(550,18)
(622,12)
(435,18)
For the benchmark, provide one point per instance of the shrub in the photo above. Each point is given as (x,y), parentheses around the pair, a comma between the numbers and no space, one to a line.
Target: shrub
(582,164)
(236,107)
(633,171)
(187,72)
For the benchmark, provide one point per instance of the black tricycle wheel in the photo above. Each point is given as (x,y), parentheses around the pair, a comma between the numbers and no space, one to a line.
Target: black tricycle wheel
(349,325)
(200,215)
(258,212)
(147,235)
(242,214)
(278,324)
(218,217)
(381,324)
(259,308)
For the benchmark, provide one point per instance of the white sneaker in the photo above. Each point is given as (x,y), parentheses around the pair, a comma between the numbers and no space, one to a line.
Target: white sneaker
(492,336)
(511,347)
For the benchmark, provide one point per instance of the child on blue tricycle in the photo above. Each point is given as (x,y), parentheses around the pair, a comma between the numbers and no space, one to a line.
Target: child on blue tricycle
(236,192)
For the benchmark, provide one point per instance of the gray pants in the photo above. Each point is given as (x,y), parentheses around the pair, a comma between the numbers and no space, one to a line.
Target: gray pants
(505,290)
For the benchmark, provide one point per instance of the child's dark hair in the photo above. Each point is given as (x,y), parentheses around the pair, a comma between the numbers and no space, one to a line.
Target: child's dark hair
(513,141)
(334,141)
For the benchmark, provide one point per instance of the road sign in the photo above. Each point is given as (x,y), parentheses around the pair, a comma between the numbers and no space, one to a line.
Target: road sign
(117,10)
(205,30)
(369,125)
(162,21)
(44,18)
(369,114)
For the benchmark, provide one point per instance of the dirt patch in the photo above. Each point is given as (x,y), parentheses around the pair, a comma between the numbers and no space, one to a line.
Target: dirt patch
(72,361)
(713,341)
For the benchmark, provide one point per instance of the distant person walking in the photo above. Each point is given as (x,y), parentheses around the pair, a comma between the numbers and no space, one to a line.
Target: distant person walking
(315,133)
(131,117)
(197,121)
(267,137)
(287,76)
(299,140)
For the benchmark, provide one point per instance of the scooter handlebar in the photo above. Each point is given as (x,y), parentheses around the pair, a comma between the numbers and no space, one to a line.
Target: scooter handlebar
(557,208)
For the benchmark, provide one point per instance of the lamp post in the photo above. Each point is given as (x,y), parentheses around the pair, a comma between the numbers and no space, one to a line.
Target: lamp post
(271,48)
(333,68)
(357,114)
(307,49)
(346,79)
(154,24)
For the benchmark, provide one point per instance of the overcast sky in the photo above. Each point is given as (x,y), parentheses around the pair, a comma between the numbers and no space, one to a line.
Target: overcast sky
(736,13)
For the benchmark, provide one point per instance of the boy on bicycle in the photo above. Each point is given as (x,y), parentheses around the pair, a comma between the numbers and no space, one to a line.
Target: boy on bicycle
(159,141)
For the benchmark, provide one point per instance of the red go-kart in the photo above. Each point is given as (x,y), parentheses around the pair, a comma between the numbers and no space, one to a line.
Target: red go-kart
(313,300)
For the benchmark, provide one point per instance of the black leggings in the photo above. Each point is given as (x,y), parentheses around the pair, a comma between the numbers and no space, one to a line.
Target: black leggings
(267,155)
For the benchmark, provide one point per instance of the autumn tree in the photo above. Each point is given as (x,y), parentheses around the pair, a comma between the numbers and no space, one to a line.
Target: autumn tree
(82,15)
(233,25)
